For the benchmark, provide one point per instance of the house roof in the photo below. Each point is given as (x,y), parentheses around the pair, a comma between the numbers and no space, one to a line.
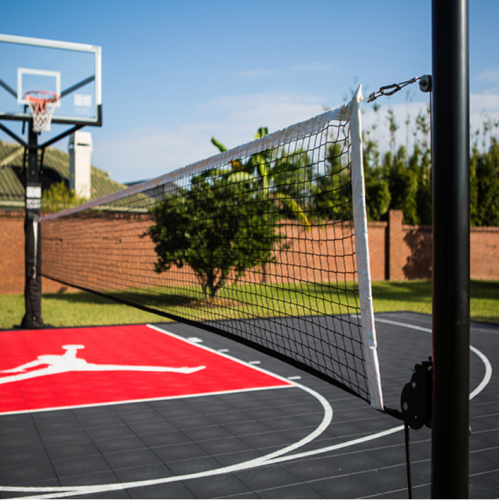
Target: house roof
(55,169)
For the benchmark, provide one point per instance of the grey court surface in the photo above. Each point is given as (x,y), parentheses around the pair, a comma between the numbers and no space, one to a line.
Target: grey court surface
(309,440)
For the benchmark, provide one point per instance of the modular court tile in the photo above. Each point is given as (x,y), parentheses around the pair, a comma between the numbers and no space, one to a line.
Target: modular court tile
(205,433)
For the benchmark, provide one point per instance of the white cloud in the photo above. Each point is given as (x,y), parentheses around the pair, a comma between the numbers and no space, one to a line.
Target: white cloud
(146,153)
(487,103)
(275,111)
(315,66)
(488,76)
(262,73)
(256,73)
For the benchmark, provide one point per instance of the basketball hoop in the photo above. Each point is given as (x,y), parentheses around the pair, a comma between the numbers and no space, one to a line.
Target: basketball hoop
(42,104)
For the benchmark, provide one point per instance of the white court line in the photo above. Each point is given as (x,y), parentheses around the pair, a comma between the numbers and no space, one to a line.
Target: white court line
(487,375)
(191,341)
(61,492)
(404,325)
(273,458)
(487,365)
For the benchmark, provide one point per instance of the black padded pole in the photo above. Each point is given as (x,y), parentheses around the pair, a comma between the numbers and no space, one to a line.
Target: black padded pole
(32,234)
(451,253)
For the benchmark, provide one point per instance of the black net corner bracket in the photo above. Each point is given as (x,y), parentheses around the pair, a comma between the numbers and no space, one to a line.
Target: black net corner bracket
(416,406)
(425,83)
(416,397)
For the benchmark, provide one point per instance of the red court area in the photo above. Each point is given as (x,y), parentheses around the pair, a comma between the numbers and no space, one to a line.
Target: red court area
(60,368)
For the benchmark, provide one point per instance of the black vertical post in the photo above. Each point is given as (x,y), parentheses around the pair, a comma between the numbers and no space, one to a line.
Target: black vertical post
(32,234)
(451,253)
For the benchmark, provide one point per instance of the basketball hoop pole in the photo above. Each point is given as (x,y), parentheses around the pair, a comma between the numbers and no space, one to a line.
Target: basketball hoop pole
(32,247)
(32,229)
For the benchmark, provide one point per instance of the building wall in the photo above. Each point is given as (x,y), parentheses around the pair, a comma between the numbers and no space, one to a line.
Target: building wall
(397,252)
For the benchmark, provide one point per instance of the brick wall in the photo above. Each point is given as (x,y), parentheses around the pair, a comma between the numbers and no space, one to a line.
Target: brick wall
(484,253)
(395,244)
(377,236)
(12,256)
(397,252)
(11,252)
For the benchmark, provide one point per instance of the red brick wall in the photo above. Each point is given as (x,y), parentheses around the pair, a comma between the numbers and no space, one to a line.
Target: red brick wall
(395,245)
(11,252)
(484,253)
(416,257)
(377,238)
(12,256)
(397,252)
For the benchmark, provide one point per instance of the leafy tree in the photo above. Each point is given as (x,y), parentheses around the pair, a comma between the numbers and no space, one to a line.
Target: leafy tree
(59,197)
(393,127)
(291,178)
(403,185)
(272,173)
(280,176)
(378,195)
(333,196)
(219,227)
(484,185)
(399,179)
(420,165)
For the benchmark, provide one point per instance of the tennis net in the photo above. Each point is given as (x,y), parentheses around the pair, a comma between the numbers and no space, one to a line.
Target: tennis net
(265,243)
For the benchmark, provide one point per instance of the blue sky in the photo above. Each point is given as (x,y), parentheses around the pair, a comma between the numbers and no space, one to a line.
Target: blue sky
(177,73)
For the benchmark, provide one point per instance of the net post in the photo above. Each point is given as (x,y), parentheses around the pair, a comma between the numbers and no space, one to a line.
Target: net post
(451,249)
(32,233)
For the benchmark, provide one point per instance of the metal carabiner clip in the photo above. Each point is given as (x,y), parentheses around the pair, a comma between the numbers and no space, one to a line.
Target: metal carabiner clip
(396,86)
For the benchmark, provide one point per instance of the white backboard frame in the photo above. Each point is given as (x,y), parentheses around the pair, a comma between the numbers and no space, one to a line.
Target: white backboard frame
(70,46)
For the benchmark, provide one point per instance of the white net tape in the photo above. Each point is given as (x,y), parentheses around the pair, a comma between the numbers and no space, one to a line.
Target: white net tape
(42,105)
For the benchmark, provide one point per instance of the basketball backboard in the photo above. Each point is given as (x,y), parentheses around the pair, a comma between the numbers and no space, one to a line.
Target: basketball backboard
(72,70)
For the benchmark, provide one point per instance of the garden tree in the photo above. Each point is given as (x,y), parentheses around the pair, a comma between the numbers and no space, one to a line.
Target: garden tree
(484,185)
(403,185)
(377,192)
(333,194)
(393,127)
(220,227)
(420,163)
(399,179)
(270,171)
(410,182)
(403,182)
(59,197)
(291,177)
(282,177)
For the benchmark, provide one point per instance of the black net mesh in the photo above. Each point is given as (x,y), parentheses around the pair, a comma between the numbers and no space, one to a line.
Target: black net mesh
(260,247)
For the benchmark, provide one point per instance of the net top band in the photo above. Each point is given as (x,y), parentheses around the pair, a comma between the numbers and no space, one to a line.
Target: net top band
(292,133)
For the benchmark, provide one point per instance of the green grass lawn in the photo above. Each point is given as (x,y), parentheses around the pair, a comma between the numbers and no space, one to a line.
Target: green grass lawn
(80,309)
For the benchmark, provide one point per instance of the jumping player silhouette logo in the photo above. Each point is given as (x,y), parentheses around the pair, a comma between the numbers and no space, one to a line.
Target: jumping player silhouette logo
(69,362)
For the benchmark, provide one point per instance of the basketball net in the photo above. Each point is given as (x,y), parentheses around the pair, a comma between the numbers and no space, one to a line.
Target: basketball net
(42,104)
